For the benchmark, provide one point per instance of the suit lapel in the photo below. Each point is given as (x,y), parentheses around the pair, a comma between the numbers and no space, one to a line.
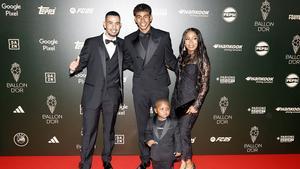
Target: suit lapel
(154,126)
(166,128)
(138,46)
(120,61)
(152,46)
(101,50)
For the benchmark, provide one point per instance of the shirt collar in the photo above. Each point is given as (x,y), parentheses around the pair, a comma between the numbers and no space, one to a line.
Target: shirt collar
(105,37)
(141,34)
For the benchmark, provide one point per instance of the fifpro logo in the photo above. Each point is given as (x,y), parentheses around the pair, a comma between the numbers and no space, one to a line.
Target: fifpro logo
(264,26)
(11,9)
(294,59)
(21,139)
(16,87)
(44,10)
(229,14)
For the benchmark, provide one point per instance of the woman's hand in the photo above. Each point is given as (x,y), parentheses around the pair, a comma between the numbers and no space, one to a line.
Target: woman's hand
(192,109)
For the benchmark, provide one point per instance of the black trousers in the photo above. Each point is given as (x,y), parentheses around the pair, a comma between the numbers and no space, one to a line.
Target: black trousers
(186,124)
(143,100)
(109,108)
(162,164)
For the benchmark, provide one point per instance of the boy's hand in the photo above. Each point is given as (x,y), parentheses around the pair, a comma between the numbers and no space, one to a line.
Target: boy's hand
(151,142)
(177,154)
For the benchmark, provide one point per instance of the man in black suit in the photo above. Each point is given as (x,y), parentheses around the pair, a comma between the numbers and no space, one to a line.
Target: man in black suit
(149,52)
(102,92)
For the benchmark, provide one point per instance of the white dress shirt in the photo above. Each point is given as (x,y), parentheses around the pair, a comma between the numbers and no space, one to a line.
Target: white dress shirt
(110,47)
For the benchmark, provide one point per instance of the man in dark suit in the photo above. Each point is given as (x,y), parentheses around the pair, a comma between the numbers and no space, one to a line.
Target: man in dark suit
(149,52)
(102,92)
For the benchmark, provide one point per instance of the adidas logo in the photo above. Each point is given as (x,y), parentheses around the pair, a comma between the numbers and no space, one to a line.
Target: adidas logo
(18,110)
(54,140)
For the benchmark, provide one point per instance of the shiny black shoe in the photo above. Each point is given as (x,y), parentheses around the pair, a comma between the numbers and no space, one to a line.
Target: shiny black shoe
(143,165)
(107,165)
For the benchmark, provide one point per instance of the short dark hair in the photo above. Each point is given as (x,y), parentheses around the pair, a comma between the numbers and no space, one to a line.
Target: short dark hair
(161,100)
(142,8)
(112,13)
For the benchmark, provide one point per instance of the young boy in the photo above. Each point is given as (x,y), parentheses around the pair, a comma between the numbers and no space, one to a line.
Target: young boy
(163,137)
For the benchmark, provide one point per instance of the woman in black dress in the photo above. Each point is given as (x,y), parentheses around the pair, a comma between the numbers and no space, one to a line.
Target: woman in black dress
(191,87)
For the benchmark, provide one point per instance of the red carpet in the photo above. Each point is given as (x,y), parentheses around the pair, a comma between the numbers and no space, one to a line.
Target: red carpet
(280,161)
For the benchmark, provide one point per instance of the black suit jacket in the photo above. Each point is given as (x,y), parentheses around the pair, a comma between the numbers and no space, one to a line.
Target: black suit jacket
(168,143)
(92,57)
(150,72)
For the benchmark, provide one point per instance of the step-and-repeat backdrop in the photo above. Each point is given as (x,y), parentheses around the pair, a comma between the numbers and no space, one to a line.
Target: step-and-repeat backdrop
(252,106)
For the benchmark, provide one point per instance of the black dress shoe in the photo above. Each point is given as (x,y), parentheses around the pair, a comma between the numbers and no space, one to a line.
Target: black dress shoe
(144,165)
(107,165)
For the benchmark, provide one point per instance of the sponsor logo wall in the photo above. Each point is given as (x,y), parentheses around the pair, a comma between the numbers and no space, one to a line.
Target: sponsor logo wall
(253,105)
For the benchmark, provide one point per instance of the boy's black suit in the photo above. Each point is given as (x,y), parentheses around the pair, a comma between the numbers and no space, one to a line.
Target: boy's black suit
(168,141)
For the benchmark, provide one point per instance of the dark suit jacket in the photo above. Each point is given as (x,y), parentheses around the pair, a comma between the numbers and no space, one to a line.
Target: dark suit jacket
(92,57)
(150,72)
(168,143)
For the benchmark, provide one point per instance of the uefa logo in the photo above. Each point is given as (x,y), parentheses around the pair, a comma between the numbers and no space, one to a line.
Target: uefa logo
(229,14)
(21,139)
(262,48)
(292,80)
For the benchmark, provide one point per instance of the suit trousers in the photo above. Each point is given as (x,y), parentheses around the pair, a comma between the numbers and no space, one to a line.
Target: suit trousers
(162,164)
(109,108)
(143,100)
(186,124)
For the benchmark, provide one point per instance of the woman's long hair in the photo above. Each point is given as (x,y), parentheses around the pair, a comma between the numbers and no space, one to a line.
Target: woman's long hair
(199,55)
